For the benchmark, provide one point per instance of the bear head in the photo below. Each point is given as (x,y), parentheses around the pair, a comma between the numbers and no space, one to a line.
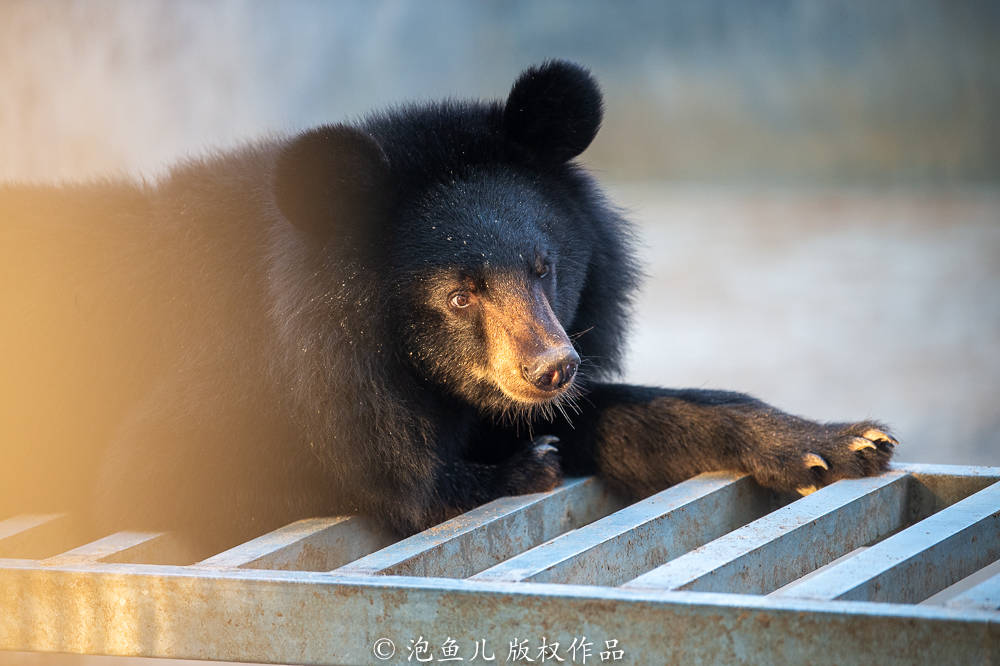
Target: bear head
(475,218)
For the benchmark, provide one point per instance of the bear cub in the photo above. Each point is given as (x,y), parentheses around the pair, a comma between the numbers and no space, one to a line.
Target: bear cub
(405,317)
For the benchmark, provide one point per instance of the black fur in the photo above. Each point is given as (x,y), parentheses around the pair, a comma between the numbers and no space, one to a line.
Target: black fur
(338,322)
(553,111)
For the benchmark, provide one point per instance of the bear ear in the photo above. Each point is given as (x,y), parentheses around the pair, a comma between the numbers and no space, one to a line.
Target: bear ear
(554,110)
(331,179)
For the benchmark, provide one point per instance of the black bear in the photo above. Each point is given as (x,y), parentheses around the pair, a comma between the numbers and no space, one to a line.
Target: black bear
(398,317)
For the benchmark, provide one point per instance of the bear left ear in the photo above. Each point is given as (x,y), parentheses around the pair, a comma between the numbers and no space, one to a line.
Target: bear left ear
(331,179)
(554,110)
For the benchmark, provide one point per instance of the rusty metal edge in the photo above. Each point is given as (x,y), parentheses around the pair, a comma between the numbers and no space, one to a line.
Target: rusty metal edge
(321,617)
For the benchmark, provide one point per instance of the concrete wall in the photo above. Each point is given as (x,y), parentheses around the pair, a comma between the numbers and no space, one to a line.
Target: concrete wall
(844,91)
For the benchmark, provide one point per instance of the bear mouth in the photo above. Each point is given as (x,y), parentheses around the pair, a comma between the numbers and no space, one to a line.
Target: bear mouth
(530,396)
(515,388)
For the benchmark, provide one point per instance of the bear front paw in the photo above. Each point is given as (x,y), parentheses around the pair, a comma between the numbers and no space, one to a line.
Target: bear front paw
(536,469)
(829,453)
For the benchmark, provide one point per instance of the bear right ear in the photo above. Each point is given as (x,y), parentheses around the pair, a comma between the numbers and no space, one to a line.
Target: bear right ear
(331,179)
(554,110)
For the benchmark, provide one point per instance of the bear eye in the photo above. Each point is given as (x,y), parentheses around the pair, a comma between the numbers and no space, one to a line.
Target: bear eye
(542,265)
(460,299)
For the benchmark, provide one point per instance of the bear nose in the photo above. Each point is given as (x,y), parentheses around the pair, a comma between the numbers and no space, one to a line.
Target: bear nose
(552,370)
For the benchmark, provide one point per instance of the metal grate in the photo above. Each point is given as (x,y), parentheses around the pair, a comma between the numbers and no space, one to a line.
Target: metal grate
(901,568)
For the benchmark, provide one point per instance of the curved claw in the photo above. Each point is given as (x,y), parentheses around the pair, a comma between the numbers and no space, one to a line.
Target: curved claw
(806,490)
(814,460)
(543,444)
(876,435)
(860,444)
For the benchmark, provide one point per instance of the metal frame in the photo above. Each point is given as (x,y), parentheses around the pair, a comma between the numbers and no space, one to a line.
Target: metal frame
(712,570)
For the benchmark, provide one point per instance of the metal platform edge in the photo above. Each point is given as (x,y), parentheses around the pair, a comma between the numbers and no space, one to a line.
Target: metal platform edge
(330,618)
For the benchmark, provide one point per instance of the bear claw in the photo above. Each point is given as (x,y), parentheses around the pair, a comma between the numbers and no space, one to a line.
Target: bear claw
(545,439)
(806,490)
(542,449)
(876,435)
(543,444)
(814,460)
(860,444)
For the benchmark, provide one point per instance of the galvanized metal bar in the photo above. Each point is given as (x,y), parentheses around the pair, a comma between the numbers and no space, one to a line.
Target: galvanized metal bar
(988,475)
(985,596)
(637,538)
(322,618)
(36,535)
(226,608)
(493,532)
(818,571)
(919,561)
(947,595)
(313,544)
(940,486)
(784,545)
(117,547)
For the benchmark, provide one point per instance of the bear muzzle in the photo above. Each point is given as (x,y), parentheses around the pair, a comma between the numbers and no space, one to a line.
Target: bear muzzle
(531,358)
(552,370)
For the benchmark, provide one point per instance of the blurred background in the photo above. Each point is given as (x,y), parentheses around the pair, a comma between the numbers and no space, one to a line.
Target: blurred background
(815,183)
